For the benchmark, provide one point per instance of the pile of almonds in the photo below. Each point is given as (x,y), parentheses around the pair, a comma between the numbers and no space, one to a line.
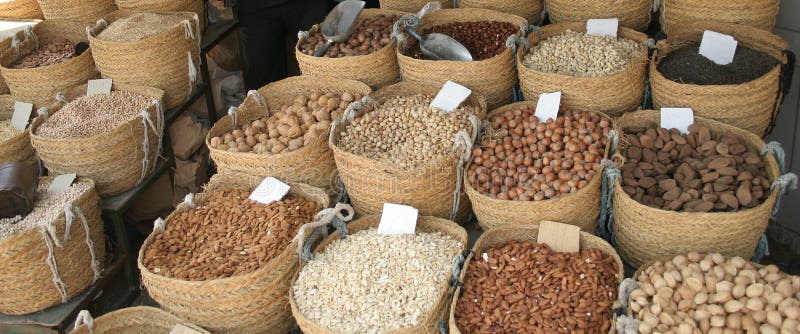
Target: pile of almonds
(526,287)
(484,39)
(713,294)
(523,159)
(292,128)
(369,35)
(698,172)
(49,54)
(227,235)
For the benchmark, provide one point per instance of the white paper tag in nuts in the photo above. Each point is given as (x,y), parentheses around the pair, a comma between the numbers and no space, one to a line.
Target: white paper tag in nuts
(677,118)
(547,106)
(398,219)
(719,48)
(560,237)
(183,329)
(270,190)
(451,96)
(99,86)
(602,27)
(61,183)
(21,115)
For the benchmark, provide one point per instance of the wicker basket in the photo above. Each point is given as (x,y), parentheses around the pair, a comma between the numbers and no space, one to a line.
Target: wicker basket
(20,9)
(161,6)
(633,14)
(78,10)
(114,159)
(17,148)
(312,164)
(760,14)
(410,6)
(752,106)
(492,78)
(135,320)
(249,303)
(27,279)
(168,61)
(426,224)
(531,10)
(644,233)
(613,94)
(524,232)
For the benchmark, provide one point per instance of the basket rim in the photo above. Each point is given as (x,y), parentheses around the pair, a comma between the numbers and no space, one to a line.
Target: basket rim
(94,39)
(52,67)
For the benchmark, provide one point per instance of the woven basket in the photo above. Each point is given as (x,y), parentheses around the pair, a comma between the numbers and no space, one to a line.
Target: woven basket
(168,61)
(312,164)
(410,6)
(20,9)
(17,148)
(114,160)
(161,6)
(4,45)
(633,14)
(249,303)
(613,94)
(760,14)
(580,209)
(371,183)
(136,320)
(425,224)
(376,69)
(752,106)
(492,78)
(531,10)
(644,233)
(524,232)
(79,10)
(39,85)
(26,281)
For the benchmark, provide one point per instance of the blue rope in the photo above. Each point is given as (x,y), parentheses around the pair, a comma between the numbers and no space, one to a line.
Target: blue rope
(777,150)
(318,232)
(785,183)
(605,227)
(442,327)
(762,249)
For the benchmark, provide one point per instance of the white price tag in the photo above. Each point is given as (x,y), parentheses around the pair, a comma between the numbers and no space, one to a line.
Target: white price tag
(602,27)
(677,118)
(719,48)
(398,219)
(451,96)
(99,86)
(270,190)
(547,106)
(61,183)
(21,115)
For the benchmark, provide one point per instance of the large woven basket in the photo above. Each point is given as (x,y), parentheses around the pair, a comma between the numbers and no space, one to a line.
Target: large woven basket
(4,45)
(17,148)
(370,183)
(492,78)
(20,9)
(425,224)
(524,232)
(752,106)
(760,14)
(115,160)
(168,61)
(581,208)
(79,10)
(531,10)
(313,164)
(633,14)
(27,279)
(161,6)
(644,233)
(255,302)
(39,85)
(613,94)
(136,320)
(410,6)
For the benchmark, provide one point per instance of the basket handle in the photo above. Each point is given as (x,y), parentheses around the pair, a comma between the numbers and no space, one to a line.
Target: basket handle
(336,216)
(99,26)
(85,318)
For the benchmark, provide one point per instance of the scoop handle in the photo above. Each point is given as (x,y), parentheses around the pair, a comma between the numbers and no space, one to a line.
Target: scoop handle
(324,48)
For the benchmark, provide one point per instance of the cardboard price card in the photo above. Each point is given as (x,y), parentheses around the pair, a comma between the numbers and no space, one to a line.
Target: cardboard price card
(450,96)
(719,48)
(270,190)
(398,219)
(602,27)
(677,118)
(547,106)
(21,115)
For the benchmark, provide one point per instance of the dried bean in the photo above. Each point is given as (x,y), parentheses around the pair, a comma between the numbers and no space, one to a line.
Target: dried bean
(578,54)
(49,54)
(87,116)
(46,208)
(369,35)
(484,39)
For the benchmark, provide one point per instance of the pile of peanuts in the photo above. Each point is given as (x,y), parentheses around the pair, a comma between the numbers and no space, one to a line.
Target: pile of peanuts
(295,126)
(713,294)
(484,39)
(522,159)
(526,287)
(578,54)
(91,115)
(405,131)
(49,54)
(369,35)
(227,235)
(698,172)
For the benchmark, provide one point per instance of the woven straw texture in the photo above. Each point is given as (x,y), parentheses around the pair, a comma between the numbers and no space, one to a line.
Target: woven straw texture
(492,78)
(425,224)
(78,10)
(613,94)
(4,45)
(751,106)
(410,6)
(633,14)
(531,10)
(20,9)
(644,233)
(250,303)
(39,85)
(136,320)
(313,164)
(523,232)
(580,209)
(371,183)
(17,148)
(160,61)
(755,13)
(112,159)
(161,6)
(26,281)
(376,69)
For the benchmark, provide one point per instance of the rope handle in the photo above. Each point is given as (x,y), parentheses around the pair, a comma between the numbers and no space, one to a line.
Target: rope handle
(458,266)
(776,149)
(624,292)
(85,318)
(336,216)
(784,183)
(349,114)
(43,112)
(159,225)
(429,7)
(407,21)
(189,200)
(611,175)
(99,26)
(233,111)
(260,99)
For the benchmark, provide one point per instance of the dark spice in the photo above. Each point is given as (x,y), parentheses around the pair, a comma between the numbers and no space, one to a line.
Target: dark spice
(686,65)
(484,40)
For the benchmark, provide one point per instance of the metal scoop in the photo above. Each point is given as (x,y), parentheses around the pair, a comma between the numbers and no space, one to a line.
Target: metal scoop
(437,46)
(339,23)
